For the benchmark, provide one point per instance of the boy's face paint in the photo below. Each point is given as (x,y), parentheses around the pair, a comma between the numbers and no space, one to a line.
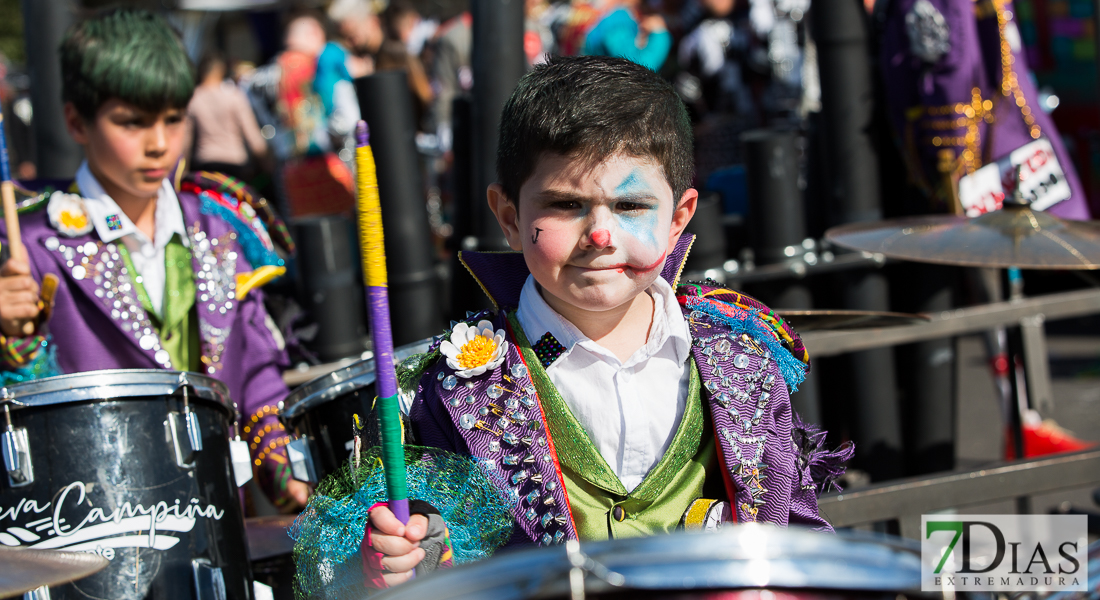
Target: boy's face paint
(596,236)
(129,150)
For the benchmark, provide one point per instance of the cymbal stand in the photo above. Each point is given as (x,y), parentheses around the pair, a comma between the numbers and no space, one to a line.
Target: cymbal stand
(1017,378)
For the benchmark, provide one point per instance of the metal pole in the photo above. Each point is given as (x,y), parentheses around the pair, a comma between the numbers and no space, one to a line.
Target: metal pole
(840,29)
(777,226)
(386,105)
(57,156)
(498,63)
(847,105)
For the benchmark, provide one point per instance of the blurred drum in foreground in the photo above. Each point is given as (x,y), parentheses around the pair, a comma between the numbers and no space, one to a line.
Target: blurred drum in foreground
(318,414)
(746,562)
(133,465)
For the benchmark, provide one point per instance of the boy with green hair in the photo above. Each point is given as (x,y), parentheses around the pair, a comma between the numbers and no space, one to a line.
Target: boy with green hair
(154,273)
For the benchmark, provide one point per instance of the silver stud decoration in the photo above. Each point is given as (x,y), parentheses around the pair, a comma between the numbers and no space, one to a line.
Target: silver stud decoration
(216,275)
(449,382)
(101,264)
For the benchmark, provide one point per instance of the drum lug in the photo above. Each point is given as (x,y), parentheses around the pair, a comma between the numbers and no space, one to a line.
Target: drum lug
(301,460)
(42,593)
(209,580)
(17,457)
(241,461)
(182,428)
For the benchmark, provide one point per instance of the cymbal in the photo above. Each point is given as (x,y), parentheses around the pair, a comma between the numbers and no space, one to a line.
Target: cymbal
(828,319)
(1014,236)
(267,536)
(26,569)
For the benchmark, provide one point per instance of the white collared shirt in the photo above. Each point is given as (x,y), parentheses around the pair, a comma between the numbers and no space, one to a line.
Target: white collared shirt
(111,224)
(630,410)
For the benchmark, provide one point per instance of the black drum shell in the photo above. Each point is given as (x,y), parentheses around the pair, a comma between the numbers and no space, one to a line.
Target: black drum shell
(322,410)
(328,427)
(122,448)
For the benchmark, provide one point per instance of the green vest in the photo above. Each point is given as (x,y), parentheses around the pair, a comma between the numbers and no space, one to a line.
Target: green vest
(178,327)
(601,506)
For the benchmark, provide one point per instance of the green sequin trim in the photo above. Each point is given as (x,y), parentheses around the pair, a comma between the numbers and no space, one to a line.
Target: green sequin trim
(576,450)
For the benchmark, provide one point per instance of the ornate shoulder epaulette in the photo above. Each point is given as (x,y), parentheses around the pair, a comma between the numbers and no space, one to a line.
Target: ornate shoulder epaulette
(745,315)
(780,328)
(29,199)
(259,229)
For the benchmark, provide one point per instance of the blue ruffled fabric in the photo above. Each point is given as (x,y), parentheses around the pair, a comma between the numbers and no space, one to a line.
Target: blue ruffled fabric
(44,365)
(329,531)
(255,252)
(792,369)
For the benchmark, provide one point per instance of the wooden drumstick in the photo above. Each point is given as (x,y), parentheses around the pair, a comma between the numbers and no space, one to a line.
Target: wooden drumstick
(11,215)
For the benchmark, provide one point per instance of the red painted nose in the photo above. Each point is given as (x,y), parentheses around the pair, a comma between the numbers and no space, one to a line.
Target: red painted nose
(601,238)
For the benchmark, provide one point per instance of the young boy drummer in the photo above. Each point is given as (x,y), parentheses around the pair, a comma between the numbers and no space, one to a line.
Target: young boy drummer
(150,277)
(613,399)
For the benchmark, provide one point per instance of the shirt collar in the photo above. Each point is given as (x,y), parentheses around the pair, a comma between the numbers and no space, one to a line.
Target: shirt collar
(111,223)
(537,318)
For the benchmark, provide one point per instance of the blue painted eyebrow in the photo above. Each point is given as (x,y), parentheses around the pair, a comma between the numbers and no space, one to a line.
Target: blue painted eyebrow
(633,186)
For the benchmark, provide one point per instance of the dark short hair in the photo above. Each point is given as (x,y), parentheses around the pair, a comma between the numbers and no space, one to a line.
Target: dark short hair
(125,53)
(209,61)
(592,107)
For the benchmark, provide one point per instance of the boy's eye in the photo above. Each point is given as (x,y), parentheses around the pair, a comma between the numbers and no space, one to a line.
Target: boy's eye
(565,205)
(633,206)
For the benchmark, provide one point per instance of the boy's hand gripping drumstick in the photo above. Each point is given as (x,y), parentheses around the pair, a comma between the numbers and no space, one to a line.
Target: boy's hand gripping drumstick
(11,215)
(378,304)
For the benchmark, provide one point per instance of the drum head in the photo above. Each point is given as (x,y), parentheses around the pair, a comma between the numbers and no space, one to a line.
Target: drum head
(325,388)
(117,384)
(798,563)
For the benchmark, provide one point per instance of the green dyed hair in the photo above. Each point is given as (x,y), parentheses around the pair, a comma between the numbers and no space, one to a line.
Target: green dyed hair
(129,54)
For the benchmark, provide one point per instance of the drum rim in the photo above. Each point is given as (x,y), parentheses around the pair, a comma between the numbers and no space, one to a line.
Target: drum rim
(114,384)
(889,565)
(324,388)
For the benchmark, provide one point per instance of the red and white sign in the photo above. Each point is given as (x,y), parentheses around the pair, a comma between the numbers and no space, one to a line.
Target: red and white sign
(1042,180)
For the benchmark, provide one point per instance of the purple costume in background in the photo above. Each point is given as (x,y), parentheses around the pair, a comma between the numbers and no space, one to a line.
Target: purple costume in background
(98,322)
(748,403)
(960,95)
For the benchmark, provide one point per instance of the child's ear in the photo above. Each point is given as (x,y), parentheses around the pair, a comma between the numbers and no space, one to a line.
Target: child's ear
(682,215)
(507,215)
(75,123)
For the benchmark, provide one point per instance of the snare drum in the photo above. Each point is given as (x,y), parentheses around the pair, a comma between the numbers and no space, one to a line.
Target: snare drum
(318,414)
(746,562)
(133,465)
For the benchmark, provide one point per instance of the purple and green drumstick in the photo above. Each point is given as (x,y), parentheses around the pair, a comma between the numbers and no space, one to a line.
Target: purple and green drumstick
(378,305)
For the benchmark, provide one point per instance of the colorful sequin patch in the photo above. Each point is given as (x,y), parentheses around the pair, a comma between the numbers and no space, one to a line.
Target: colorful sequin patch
(114,223)
(548,349)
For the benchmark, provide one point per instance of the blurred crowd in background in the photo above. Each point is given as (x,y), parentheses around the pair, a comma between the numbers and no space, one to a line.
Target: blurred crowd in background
(275,103)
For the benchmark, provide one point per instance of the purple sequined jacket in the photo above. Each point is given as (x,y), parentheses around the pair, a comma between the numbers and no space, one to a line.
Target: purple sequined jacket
(744,393)
(957,82)
(98,322)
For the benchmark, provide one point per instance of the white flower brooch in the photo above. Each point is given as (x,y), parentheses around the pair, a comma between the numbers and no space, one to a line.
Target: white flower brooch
(68,215)
(471,351)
